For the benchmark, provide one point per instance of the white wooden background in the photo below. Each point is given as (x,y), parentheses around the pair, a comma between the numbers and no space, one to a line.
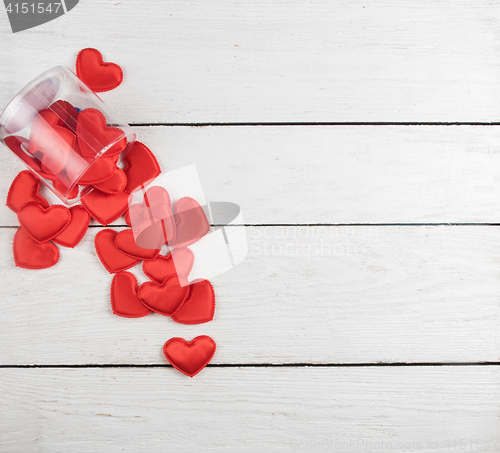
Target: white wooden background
(362,141)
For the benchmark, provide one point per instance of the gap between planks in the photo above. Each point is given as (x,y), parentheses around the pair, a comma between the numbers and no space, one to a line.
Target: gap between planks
(261,365)
(325,123)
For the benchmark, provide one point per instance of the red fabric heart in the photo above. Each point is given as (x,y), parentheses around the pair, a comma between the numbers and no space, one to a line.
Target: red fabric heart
(76,229)
(192,223)
(45,118)
(28,254)
(165,298)
(112,258)
(114,184)
(156,229)
(61,183)
(105,208)
(199,307)
(49,142)
(149,235)
(19,146)
(189,358)
(127,218)
(157,194)
(101,170)
(178,262)
(94,135)
(152,219)
(124,300)
(126,243)
(141,166)
(43,224)
(67,114)
(97,75)
(23,189)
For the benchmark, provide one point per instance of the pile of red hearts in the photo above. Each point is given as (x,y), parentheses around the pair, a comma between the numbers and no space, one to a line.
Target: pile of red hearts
(42,226)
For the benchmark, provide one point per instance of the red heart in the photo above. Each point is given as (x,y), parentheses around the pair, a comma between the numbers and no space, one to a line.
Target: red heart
(149,235)
(114,184)
(199,307)
(178,262)
(156,229)
(164,298)
(67,114)
(189,358)
(157,194)
(43,224)
(101,170)
(104,207)
(124,300)
(112,258)
(76,229)
(127,218)
(96,74)
(94,135)
(49,142)
(141,166)
(61,183)
(23,189)
(192,223)
(152,219)
(45,118)
(28,254)
(126,243)
(19,146)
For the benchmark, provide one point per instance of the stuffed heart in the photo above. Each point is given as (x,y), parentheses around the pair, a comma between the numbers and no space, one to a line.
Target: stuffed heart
(141,166)
(192,223)
(164,298)
(157,194)
(125,242)
(199,307)
(105,208)
(101,170)
(94,135)
(19,146)
(149,235)
(49,142)
(76,229)
(61,183)
(29,254)
(67,114)
(189,357)
(44,118)
(178,262)
(23,189)
(126,217)
(96,74)
(124,300)
(114,184)
(156,229)
(112,258)
(43,224)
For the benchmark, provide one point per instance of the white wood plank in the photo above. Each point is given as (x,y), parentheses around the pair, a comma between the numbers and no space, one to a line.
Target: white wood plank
(422,409)
(365,294)
(332,174)
(255,61)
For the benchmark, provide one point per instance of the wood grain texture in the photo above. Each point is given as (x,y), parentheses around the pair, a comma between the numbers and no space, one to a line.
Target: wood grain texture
(355,409)
(331,174)
(257,61)
(303,295)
